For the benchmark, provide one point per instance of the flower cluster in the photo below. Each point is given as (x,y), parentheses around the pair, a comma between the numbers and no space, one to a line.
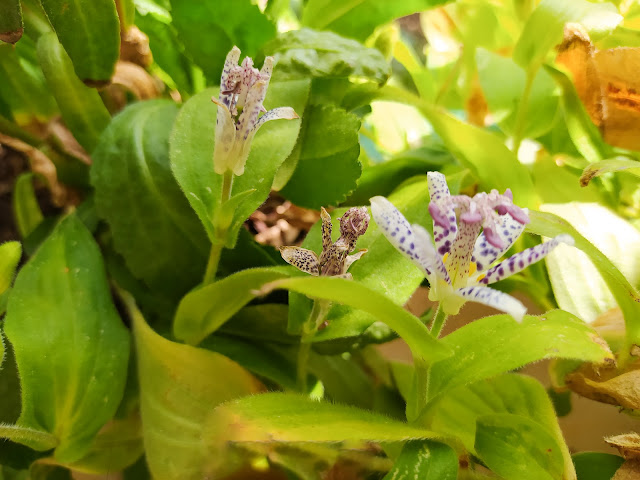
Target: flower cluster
(470,234)
(335,259)
(242,91)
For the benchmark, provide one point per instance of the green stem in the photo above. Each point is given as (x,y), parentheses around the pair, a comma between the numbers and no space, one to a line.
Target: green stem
(439,320)
(309,329)
(521,115)
(219,233)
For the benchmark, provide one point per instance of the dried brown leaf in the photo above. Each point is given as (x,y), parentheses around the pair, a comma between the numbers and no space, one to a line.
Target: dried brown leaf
(608,385)
(627,444)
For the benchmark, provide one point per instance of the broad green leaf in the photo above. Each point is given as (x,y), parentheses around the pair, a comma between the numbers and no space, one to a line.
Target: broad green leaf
(626,296)
(357,295)
(518,448)
(287,418)
(153,227)
(498,344)
(425,460)
(247,253)
(272,326)
(584,134)
(504,97)
(118,445)
(70,344)
(191,151)
(308,53)
(81,107)
(382,269)
(10,253)
(89,30)
(550,17)
(11,26)
(343,379)
(610,165)
(23,87)
(358,18)
(210,29)
(26,210)
(179,386)
(203,310)
(561,184)
(326,171)
(596,465)
(455,413)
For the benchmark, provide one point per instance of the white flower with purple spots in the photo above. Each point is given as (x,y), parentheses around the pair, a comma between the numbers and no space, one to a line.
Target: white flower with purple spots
(242,91)
(470,234)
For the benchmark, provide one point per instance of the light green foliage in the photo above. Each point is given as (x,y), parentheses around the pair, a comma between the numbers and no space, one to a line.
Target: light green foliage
(425,460)
(224,23)
(26,210)
(10,253)
(191,151)
(152,225)
(356,18)
(176,395)
(626,295)
(309,53)
(89,32)
(70,344)
(326,171)
(81,107)
(556,334)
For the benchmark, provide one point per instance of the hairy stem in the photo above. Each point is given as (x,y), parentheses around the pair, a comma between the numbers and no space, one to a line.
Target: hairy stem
(309,329)
(439,320)
(220,232)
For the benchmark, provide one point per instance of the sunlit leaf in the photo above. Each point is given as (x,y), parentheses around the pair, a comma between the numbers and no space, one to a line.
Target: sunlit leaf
(610,165)
(10,253)
(70,345)
(426,460)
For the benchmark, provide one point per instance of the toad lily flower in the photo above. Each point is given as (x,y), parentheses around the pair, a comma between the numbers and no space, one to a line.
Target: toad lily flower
(242,91)
(459,266)
(335,259)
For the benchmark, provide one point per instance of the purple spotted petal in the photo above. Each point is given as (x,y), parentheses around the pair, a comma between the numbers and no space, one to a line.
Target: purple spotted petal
(285,113)
(442,212)
(522,260)
(229,79)
(301,258)
(494,298)
(484,253)
(402,236)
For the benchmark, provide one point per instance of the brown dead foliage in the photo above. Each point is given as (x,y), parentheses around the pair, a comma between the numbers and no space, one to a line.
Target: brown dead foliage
(607,83)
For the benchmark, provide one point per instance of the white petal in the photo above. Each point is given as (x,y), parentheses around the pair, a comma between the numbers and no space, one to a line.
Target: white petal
(484,254)
(285,113)
(445,230)
(396,228)
(225,135)
(494,298)
(523,259)
(352,258)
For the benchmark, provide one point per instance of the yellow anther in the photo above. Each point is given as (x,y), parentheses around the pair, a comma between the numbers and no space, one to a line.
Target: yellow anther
(480,277)
(445,256)
(473,268)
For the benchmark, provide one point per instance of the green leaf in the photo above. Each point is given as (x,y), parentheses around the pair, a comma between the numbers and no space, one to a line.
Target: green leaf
(550,17)
(191,152)
(10,254)
(308,53)
(152,225)
(179,387)
(26,210)
(11,26)
(358,18)
(426,460)
(203,310)
(504,98)
(561,184)
(626,296)
(23,88)
(70,344)
(356,295)
(89,30)
(486,347)
(518,448)
(596,465)
(81,107)
(610,165)
(584,134)
(286,418)
(210,29)
(326,172)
